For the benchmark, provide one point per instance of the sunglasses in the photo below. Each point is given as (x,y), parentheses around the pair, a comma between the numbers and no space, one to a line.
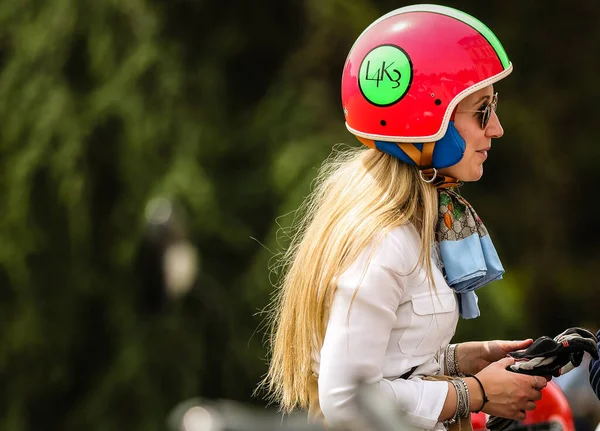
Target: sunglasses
(486,112)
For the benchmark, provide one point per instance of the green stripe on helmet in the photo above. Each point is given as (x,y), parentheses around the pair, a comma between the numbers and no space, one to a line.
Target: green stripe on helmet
(469,20)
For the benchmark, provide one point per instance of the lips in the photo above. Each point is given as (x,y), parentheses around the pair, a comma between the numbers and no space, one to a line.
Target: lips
(484,152)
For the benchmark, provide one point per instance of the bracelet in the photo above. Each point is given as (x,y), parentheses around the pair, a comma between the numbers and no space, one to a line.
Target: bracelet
(485,398)
(450,360)
(466,411)
(455,417)
(447,360)
(458,372)
(463,402)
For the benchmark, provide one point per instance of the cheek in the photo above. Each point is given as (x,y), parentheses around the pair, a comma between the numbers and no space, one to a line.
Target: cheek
(468,128)
(469,146)
(470,168)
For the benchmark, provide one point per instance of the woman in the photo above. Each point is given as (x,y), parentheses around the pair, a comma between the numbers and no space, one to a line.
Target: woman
(387,253)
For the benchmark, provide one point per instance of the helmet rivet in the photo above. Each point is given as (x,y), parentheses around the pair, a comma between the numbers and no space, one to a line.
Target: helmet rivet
(383,122)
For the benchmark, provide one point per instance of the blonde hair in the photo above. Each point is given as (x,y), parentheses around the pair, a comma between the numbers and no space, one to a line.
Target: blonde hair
(359,195)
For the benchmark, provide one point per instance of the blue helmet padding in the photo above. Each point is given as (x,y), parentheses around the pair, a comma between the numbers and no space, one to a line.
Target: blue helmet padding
(448,151)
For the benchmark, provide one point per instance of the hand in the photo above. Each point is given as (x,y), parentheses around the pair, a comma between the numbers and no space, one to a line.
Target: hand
(509,394)
(474,356)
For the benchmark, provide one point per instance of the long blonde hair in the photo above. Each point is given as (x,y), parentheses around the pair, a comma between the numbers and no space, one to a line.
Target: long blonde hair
(359,194)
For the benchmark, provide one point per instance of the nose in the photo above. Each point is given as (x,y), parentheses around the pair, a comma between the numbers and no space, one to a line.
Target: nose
(494,128)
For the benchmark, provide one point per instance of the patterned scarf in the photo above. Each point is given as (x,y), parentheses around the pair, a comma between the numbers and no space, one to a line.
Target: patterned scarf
(468,255)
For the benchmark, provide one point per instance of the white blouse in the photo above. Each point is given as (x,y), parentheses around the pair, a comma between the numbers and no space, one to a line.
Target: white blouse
(396,322)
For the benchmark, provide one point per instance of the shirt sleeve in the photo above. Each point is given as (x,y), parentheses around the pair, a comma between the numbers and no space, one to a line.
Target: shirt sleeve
(356,340)
(443,370)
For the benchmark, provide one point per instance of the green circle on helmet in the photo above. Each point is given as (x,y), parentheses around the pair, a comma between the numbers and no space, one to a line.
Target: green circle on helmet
(385,75)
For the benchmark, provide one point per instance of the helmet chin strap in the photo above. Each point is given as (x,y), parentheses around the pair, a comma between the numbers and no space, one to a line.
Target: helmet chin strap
(446,152)
(436,155)
(428,156)
(439,181)
(424,160)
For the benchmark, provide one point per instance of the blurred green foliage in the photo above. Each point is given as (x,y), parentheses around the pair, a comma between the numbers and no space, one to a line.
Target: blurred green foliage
(228,108)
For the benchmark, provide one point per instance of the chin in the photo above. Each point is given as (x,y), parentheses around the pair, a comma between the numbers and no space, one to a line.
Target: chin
(478,176)
(472,177)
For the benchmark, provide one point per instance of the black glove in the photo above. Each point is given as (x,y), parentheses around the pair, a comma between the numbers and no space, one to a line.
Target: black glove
(554,357)
(550,357)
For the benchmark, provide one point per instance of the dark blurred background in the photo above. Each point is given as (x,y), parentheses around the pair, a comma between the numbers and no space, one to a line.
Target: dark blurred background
(134,133)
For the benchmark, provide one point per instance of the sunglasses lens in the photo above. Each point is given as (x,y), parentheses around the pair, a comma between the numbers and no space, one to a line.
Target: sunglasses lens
(486,116)
(487,112)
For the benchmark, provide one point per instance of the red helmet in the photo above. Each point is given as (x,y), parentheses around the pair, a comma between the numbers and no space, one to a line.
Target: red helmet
(552,412)
(407,72)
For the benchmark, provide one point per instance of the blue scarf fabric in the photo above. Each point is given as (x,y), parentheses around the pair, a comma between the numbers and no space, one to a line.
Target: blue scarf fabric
(468,255)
